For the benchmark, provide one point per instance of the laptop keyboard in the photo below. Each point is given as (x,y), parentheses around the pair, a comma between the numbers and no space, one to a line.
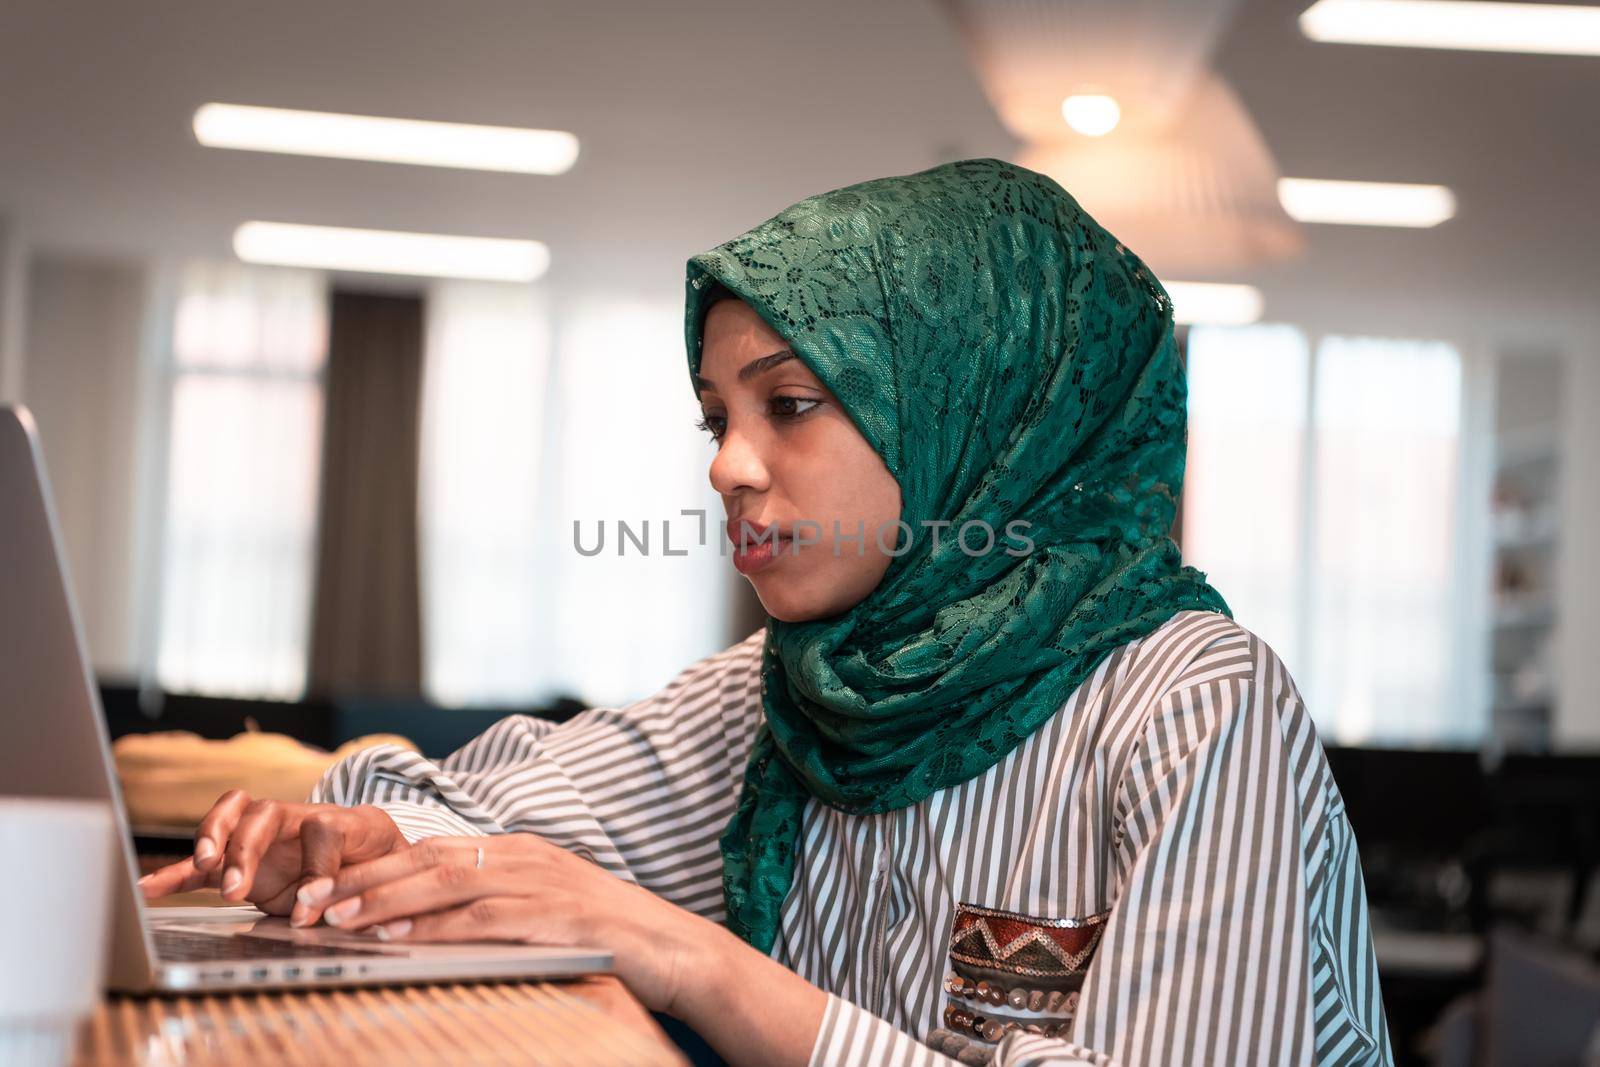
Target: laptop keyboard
(186,946)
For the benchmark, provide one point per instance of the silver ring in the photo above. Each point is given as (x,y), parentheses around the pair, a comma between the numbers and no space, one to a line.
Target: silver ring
(480,857)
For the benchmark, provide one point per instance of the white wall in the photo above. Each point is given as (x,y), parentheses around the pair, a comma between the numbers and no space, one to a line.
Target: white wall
(81,379)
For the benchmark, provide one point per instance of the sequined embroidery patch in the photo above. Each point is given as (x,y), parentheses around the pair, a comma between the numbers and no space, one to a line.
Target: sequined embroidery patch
(1011,971)
(1027,946)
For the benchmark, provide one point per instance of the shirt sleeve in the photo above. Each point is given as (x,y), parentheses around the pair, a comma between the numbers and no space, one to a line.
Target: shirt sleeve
(643,790)
(1238,933)
(854,1037)
(1240,930)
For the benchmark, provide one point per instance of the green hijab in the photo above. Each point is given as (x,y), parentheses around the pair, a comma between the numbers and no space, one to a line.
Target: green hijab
(1009,360)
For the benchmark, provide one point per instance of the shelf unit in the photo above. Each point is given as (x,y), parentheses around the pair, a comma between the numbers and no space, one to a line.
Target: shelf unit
(1525,526)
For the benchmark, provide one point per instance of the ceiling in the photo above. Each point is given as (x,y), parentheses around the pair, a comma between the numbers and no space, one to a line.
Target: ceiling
(700,119)
(1516,136)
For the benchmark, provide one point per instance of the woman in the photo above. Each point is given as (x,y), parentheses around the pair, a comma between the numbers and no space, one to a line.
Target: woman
(1000,779)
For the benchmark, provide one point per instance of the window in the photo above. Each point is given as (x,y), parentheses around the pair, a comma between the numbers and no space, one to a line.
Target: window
(517,446)
(1322,498)
(1243,508)
(242,466)
(486,590)
(624,413)
(1386,422)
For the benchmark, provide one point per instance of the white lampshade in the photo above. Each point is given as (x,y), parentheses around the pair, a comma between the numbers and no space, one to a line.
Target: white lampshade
(1183,177)
(1032,54)
(1197,195)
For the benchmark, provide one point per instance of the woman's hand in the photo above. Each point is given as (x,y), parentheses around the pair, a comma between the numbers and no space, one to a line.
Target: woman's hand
(527,890)
(264,851)
(751,1008)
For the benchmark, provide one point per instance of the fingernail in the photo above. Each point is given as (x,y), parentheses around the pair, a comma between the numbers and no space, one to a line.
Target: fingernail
(231,879)
(398,928)
(315,891)
(341,912)
(146,878)
(204,849)
(300,915)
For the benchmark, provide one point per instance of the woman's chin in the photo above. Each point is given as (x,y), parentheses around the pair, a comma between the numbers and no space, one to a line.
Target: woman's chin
(783,610)
(785,602)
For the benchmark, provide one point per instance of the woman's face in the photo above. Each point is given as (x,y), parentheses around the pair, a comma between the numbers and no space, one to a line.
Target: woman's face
(788,457)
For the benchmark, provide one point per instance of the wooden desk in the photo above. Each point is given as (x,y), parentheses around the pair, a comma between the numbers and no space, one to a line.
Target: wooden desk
(591,1021)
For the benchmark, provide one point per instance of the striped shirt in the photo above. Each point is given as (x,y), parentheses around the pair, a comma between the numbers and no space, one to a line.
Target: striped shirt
(1179,802)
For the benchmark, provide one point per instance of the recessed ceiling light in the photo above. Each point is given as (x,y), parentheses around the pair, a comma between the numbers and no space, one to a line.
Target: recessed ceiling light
(1366,203)
(436,144)
(1213,303)
(1091,114)
(1474,25)
(390,252)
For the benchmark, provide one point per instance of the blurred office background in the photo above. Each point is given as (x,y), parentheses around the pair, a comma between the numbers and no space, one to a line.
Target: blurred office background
(336,500)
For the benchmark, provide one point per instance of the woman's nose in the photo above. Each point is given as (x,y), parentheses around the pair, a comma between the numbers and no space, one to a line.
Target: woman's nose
(738,465)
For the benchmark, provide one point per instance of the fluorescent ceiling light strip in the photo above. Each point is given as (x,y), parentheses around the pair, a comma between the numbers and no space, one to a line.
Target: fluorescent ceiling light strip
(1550,29)
(391,252)
(1366,203)
(437,144)
(1213,303)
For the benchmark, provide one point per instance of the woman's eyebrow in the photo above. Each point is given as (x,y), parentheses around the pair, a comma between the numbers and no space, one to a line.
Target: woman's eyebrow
(751,369)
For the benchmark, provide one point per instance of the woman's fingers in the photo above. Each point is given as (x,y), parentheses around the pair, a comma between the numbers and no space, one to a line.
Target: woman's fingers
(490,918)
(402,885)
(180,877)
(279,903)
(322,844)
(424,855)
(256,831)
(217,827)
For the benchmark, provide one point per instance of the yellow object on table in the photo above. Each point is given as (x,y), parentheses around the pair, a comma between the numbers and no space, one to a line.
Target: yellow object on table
(173,777)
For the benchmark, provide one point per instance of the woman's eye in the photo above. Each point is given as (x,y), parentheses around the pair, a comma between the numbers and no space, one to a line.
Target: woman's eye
(713,425)
(792,407)
(783,408)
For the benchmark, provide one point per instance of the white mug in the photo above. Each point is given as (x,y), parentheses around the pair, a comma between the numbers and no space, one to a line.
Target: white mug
(55,900)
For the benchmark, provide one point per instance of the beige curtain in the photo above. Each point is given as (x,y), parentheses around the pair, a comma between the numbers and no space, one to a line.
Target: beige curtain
(366,633)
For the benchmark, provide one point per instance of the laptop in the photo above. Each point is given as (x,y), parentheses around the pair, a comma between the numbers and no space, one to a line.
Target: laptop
(53,743)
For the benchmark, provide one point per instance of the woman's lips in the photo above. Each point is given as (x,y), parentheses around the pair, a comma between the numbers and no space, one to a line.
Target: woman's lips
(748,532)
(758,549)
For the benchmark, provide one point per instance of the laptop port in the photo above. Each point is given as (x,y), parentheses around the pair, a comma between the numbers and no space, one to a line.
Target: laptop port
(330,971)
(291,972)
(260,974)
